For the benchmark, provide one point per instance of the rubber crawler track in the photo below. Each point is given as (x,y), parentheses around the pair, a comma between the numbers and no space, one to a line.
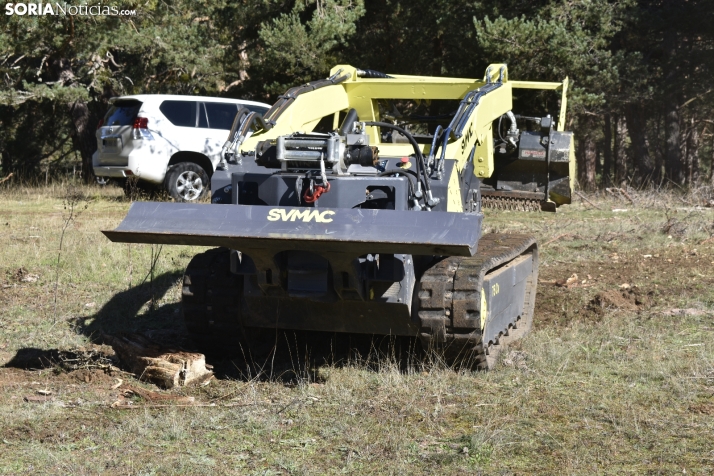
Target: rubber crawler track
(450,298)
(211,302)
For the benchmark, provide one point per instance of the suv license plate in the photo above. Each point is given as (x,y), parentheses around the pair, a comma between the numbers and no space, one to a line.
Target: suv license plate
(111,144)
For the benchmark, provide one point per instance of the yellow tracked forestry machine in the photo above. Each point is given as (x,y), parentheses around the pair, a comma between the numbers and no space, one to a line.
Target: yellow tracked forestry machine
(354,205)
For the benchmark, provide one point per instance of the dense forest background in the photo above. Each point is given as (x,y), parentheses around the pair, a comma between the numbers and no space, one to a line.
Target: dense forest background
(641,98)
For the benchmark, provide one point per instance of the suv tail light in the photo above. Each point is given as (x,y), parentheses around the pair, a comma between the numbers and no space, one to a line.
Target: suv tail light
(101,123)
(141,123)
(140,129)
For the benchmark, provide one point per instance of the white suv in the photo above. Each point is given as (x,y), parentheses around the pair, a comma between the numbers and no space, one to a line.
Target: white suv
(174,141)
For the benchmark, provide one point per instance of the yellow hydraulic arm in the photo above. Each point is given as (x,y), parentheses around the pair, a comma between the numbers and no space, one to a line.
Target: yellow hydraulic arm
(482,102)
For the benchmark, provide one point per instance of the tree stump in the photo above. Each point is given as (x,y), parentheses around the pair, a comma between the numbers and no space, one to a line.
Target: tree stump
(165,367)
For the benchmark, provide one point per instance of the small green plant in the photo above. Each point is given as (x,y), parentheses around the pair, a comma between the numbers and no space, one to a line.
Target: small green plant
(74,202)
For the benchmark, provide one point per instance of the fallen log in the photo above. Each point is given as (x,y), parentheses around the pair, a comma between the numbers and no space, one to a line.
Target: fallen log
(165,367)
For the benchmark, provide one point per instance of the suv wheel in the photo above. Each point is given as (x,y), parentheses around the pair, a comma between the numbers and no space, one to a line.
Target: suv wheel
(187,182)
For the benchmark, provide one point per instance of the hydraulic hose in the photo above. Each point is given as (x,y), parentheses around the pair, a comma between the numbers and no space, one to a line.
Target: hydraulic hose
(234,136)
(420,157)
(513,128)
(444,143)
(403,173)
(432,151)
(500,136)
(257,118)
(348,123)
(372,74)
(237,122)
(286,99)
(245,123)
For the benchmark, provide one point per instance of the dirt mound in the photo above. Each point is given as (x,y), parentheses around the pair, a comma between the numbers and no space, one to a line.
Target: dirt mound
(631,299)
(93,376)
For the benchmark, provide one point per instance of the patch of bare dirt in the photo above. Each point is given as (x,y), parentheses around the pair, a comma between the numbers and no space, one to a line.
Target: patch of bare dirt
(91,376)
(703,408)
(627,299)
(630,281)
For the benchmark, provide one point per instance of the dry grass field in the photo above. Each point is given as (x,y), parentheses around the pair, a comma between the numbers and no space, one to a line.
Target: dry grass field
(616,377)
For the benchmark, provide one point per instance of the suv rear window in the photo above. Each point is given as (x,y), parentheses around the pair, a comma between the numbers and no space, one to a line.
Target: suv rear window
(122,113)
(216,115)
(221,114)
(180,113)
